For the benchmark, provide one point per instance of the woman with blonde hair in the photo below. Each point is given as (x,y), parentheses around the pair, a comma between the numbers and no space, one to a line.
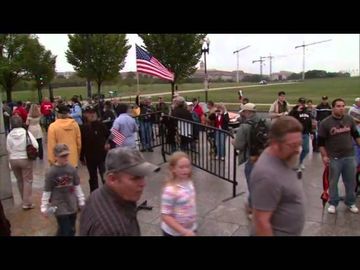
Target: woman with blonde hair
(33,123)
(178,205)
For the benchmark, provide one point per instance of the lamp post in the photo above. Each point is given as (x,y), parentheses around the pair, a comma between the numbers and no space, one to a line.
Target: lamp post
(205,49)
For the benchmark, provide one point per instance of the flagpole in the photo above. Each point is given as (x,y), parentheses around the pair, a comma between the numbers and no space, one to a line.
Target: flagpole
(137,79)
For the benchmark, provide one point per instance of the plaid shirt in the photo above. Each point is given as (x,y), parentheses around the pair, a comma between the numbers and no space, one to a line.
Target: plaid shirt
(106,214)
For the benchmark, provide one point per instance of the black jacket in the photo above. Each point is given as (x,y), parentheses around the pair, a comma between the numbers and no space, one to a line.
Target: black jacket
(93,138)
(304,117)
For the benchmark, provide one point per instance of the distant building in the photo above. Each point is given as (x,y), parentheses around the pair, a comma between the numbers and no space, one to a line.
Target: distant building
(66,74)
(280,76)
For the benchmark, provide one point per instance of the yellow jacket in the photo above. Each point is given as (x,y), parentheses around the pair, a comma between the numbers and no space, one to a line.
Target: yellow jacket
(65,131)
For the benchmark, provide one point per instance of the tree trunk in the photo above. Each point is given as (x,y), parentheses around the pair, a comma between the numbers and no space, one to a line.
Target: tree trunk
(8,93)
(88,84)
(39,95)
(51,93)
(99,87)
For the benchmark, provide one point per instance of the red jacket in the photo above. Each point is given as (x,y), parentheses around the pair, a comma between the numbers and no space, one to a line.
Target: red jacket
(46,108)
(198,110)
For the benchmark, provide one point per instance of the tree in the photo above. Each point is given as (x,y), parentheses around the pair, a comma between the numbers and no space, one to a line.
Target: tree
(15,50)
(180,53)
(98,57)
(41,66)
(294,76)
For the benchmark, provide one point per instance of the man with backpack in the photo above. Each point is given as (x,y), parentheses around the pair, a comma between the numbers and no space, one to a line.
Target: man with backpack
(250,140)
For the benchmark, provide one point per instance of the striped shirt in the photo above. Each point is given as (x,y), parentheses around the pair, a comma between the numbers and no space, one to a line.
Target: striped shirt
(179,202)
(106,214)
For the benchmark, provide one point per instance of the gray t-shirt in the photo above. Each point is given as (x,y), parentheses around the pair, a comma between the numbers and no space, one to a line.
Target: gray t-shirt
(338,135)
(60,181)
(275,187)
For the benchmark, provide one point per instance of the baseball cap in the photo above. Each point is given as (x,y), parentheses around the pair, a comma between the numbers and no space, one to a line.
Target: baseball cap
(249,107)
(357,99)
(61,150)
(62,109)
(302,100)
(324,97)
(130,161)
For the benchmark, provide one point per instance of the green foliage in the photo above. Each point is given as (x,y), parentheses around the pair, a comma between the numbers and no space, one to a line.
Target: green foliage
(252,78)
(98,57)
(22,57)
(41,65)
(15,50)
(294,76)
(180,53)
(317,74)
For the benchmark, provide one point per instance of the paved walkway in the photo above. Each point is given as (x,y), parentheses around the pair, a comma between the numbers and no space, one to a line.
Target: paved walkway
(216,218)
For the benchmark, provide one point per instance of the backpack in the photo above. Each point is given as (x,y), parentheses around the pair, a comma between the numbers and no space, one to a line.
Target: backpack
(259,134)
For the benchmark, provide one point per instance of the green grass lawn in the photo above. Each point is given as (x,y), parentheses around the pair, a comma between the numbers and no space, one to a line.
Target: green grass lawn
(346,88)
(68,92)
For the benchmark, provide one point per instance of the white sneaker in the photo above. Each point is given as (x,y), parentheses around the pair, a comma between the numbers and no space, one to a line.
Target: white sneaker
(302,166)
(353,209)
(332,209)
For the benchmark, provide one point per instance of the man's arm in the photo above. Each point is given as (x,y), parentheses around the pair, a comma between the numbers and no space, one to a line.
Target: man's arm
(262,223)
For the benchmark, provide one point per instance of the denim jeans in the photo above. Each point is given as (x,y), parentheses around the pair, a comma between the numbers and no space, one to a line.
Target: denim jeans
(66,225)
(305,147)
(146,134)
(220,143)
(347,168)
(248,168)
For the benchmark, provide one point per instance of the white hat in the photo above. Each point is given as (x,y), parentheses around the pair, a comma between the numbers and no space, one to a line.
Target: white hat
(357,99)
(249,107)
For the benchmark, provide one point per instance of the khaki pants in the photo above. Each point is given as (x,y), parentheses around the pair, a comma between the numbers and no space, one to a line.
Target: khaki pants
(23,171)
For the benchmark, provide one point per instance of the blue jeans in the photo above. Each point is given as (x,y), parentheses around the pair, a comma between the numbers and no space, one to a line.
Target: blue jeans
(146,134)
(66,225)
(305,147)
(220,143)
(248,168)
(347,168)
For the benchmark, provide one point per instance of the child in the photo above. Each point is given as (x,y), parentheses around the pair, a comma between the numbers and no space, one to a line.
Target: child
(62,188)
(178,206)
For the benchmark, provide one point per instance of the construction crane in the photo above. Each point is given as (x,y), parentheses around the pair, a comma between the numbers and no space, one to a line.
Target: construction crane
(261,60)
(270,57)
(305,45)
(237,62)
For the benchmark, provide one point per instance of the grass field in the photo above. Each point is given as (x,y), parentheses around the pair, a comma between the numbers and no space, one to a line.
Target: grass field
(347,88)
(68,92)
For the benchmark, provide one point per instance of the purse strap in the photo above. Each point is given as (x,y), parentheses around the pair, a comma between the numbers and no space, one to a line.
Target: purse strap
(28,139)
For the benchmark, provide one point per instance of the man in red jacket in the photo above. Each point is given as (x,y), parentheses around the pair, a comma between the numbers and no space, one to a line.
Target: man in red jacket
(46,109)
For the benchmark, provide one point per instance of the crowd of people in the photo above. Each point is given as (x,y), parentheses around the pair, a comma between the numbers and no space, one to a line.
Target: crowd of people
(108,136)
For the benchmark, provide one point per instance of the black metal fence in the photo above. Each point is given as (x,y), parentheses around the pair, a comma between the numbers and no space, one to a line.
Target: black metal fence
(209,148)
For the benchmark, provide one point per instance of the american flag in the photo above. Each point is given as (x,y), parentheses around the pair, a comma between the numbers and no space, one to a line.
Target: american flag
(146,63)
(117,137)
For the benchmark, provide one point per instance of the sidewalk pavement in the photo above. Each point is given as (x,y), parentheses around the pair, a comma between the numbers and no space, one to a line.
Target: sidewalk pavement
(215,217)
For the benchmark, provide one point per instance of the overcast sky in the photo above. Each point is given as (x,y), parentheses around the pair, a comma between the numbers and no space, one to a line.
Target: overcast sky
(339,54)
